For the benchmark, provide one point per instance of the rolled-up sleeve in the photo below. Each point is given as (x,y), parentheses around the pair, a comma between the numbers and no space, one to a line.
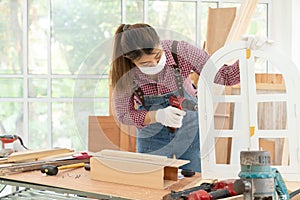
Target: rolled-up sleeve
(228,75)
(125,111)
(196,58)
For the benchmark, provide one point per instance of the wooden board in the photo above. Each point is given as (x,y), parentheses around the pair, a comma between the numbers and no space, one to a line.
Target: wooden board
(218,26)
(14,168)
(105,133)
(31,155)
(242,20)
(134,168)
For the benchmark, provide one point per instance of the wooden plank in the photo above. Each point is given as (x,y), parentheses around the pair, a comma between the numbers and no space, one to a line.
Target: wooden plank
(7,169)
(223,150)
(285,160)
(268,145)
(35,154)
(128,138)
(241,21)
(218,26)
(264,81)
(105,133)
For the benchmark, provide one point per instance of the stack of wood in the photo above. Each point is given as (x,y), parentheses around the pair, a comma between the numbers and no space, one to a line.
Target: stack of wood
(33,160)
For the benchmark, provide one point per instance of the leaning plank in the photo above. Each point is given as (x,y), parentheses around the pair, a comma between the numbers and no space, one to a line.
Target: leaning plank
(242,20)
(35,154)
(219,24)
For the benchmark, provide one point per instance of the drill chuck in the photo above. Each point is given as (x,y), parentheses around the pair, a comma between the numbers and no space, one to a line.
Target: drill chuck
(183,103)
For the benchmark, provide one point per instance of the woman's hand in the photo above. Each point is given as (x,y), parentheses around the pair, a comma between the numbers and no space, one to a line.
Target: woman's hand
(170,117)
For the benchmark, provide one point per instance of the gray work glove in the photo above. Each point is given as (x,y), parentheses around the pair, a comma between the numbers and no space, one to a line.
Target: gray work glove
(255,42)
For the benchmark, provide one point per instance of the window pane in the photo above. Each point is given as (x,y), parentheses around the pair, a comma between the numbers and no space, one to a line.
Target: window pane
(11,118)
(38,125)
(102,88)
(101,108)
(259,20)
(11,37)
(11,87)
(37,87)
(98,60)
(78,27)
(134,11)
(64,127)
(165,14)
(38,26)
(80,88)
(93,88)
(62,87)
(258,23)
(204,18)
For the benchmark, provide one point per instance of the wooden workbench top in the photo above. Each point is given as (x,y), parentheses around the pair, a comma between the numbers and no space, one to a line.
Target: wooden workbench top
(79,179)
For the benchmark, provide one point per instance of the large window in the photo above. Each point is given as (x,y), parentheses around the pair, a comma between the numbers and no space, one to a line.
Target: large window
(55,59)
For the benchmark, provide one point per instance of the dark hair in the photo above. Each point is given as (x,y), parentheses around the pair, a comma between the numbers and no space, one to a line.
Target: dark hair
(131,42)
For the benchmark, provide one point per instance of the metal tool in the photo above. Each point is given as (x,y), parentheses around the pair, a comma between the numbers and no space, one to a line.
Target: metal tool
(5,139)
(260,181)
(183,194)
(206,191)
(53,170)
(17,146)
(182,104)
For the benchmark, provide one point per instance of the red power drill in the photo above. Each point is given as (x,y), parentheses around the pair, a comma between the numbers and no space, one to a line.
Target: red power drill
(221,189)
(182,104)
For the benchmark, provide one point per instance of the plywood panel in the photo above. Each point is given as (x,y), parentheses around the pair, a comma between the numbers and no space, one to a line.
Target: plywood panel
(218,26)
(105,133)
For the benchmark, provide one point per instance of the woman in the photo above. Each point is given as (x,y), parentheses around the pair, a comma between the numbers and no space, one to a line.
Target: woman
(145,75)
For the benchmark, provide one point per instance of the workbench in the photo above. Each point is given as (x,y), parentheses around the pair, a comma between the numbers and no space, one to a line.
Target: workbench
(78,182)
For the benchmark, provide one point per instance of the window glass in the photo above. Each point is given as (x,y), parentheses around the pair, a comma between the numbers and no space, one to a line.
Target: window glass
(134,11)
(69,122)
(78,27)
(11,119)
(80,88)
(176,19)
(37,87)
(11,37)
(64,128)
(38,125)
(11,87)
(38,26)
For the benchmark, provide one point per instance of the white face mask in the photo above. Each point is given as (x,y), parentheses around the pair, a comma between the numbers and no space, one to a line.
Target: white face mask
(155,69)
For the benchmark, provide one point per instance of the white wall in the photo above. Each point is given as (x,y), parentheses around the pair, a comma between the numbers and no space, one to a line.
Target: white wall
(285,28)
(280,27)
(296,32)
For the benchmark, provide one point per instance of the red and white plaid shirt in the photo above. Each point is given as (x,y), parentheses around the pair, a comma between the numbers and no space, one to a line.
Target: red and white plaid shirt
(190,58)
